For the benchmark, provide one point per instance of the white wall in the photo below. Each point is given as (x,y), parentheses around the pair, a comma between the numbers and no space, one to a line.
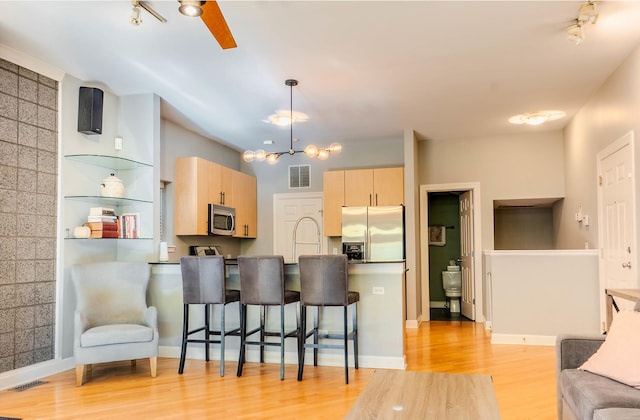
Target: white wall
(529,165)
(611,112)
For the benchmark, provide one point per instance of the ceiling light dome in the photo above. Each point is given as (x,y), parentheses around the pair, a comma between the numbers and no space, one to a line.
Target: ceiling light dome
(537,118)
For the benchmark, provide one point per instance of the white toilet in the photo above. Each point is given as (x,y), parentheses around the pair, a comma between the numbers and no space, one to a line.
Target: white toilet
(452,285)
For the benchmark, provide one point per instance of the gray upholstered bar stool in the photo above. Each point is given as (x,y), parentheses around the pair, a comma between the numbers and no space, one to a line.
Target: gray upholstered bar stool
(203,283)
(323,283)
(262,284)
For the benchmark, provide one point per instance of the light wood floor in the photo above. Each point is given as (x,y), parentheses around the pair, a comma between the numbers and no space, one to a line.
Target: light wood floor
(524,381)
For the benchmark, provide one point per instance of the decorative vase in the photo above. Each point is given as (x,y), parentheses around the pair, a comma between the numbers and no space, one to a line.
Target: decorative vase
(112,186)
(82,232)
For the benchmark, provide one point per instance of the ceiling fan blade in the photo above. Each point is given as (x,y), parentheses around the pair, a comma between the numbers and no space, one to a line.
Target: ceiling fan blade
(212,17)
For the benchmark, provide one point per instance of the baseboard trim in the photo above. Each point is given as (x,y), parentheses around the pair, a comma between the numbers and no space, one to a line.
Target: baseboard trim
(31,373)
(291,358)
(530,340)
(412,323)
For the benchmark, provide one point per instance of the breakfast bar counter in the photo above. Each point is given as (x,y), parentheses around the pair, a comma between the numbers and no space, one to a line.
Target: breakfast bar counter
(381,315)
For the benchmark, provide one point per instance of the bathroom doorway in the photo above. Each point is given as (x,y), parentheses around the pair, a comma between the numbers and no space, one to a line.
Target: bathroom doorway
(448,212)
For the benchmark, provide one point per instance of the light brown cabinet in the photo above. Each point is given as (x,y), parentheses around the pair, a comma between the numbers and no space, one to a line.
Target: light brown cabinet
(374,187)
(359,187)
(333,185)
(244,192)
(199,183)
(192,196)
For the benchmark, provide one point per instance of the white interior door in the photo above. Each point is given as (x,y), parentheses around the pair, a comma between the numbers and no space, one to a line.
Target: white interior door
(302,212)
(616,209)
(467,301)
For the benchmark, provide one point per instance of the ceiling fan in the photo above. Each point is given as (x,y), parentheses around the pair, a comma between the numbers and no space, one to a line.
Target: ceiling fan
(208,11)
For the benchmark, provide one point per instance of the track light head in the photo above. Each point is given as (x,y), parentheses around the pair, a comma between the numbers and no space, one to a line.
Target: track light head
(191,8)
(135,18)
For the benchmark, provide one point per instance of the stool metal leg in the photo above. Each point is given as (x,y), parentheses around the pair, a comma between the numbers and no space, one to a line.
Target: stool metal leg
(243,337)
(185,334)
(346,346)
(281,342)
(263,316)
(355,334)
(222,336)
(303,339)
(316,326)
(207,317)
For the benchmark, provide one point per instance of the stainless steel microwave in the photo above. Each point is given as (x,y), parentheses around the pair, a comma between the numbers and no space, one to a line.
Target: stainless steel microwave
(222,220)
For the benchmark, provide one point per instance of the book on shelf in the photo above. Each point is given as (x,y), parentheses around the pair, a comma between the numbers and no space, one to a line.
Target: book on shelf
(101,211)
(102,219)
(130,225)
(104,234)
(112,226)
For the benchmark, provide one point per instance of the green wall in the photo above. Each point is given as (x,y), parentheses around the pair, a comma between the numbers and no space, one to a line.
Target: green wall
(444,209)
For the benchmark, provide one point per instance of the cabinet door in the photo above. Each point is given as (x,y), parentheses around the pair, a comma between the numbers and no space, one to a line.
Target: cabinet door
(244,192)
(358,187)
(388,185)
(333,200)
(192,196)
(221,185)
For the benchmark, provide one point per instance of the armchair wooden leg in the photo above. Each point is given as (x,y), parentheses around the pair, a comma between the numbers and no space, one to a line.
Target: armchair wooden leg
(153,362)
(79,374)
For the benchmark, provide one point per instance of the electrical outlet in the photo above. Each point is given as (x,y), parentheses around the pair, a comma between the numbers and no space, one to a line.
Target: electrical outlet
(378,290)
(117,143)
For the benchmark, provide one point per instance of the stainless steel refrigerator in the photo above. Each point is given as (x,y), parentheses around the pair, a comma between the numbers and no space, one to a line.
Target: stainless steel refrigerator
(373,233)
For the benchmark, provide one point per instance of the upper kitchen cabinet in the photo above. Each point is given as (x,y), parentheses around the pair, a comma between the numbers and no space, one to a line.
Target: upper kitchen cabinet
(221,185)
(333,183)
(374,187)
(359,187)
(192,195)
(200,183)
(244,191)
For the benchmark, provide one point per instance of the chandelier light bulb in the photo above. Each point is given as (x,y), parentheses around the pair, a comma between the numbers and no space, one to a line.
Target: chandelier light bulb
(260,155)
(272,158)
(335,148)
(248,155)
(323,154)
(311,151)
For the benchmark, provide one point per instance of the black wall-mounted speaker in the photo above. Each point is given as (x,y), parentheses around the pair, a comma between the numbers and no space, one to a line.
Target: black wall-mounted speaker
(90,110)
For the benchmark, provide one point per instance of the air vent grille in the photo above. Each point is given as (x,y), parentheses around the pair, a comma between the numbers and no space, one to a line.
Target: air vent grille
(27,386)
(299,176)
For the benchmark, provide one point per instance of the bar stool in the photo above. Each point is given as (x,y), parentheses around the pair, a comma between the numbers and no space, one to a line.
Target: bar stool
(262,283)
(203,283)
(323,282)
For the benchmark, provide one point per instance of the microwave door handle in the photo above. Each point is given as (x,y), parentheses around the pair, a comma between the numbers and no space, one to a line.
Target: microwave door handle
(233,223)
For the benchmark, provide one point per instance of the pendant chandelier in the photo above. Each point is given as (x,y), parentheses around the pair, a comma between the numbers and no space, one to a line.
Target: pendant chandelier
(311,151)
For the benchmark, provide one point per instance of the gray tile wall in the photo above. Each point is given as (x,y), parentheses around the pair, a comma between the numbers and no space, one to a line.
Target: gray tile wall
(28,178)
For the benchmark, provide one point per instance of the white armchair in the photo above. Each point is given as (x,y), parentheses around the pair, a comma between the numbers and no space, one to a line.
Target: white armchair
(112,321)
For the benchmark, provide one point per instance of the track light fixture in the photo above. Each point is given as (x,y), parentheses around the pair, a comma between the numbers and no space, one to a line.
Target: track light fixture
(311,150)
(135,18)
(191,8)
(575,32)
(586,14)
